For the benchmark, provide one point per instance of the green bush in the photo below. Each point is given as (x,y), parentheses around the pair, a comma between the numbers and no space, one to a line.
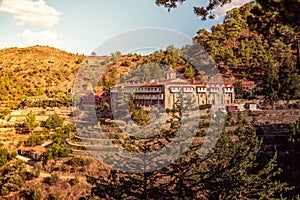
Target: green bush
(78,61)
(140,117)
(4,190)
(82,169)
(57,151)
(34,193)
(64,168)
(4,112)
(59,138)
(34,140)
(77,161)
(13,183)
(54,121)
(74,181)
(6,156)
(54,178)
(126,63)
(69,128)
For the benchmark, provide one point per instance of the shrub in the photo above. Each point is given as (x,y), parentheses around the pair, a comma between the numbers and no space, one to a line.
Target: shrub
(54,121)
(69,128)
(4,190)
(78,61)
(57,151)
(35,193)
(140,117)
(83,169)
(74,181)
(6,156)
(64,168)
(54,178)
(77,161)
(14,183)
(4,112)
(126,63)
(34,141)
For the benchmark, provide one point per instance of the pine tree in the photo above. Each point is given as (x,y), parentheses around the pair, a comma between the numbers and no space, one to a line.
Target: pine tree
(189,72)
(289,82)
(271,84)
(235,169)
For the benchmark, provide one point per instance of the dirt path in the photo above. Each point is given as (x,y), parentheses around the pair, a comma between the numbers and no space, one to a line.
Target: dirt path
(64,177)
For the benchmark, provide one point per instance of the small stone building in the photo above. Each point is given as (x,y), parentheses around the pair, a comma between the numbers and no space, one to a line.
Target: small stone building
(33,152)
(251,106)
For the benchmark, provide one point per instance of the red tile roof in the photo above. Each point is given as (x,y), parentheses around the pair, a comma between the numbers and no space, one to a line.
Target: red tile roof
(248,83)
(37,149)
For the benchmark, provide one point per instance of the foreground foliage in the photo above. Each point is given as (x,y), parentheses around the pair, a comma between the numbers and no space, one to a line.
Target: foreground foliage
(236,169)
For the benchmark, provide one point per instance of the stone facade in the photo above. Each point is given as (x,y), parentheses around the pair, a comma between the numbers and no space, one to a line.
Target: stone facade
(167,93)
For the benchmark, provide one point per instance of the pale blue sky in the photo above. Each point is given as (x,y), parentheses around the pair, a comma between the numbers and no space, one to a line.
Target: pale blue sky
(82,25)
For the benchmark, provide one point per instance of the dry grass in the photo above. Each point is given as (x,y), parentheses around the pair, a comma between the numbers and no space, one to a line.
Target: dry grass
(36,69)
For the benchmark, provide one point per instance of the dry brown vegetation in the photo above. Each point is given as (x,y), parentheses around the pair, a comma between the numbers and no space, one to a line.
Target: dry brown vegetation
(62,188)
(30,71)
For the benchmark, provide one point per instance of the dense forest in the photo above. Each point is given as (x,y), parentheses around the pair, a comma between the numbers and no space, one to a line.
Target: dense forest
(243,47)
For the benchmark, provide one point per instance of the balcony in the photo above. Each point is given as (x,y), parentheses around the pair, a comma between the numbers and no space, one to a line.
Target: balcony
(201,90)
(214,90)
(148,90)
(150,97)
(228,90)
(188,89)
(137,90)
(174,90)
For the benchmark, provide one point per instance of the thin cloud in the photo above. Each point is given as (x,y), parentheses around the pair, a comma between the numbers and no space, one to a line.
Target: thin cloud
(40,38)
(221,10)
(37,13)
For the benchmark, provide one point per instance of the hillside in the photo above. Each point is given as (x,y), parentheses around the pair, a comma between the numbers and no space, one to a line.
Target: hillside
(242,50)
(40,70)
(33,70)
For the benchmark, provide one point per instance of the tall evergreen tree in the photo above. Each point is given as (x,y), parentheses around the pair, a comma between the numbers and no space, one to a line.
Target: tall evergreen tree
(271,84)
(289,80)
(235,169)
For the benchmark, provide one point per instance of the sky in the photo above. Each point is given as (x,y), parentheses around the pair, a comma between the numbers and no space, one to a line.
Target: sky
(81,26)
